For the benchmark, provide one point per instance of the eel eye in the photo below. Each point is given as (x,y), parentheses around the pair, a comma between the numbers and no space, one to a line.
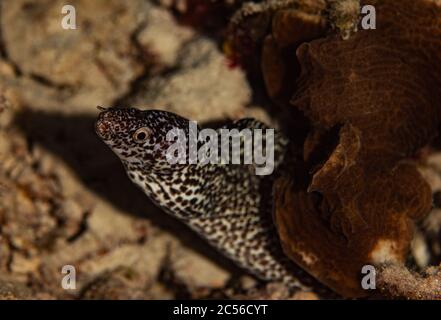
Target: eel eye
(141,135)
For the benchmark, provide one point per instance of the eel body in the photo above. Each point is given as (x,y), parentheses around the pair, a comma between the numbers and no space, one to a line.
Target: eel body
(226,204)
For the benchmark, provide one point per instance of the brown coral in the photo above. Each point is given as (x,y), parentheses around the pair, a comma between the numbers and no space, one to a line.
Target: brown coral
(377,97)
(265,35)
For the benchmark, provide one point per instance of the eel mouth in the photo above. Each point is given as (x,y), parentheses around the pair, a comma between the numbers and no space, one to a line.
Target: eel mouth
(117,121)
(109,122)
(103,127)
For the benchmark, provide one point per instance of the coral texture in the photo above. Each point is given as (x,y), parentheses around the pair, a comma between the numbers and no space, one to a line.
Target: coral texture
(373,101)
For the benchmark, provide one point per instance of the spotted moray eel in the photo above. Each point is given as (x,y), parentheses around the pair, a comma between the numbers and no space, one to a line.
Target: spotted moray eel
(226,204)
